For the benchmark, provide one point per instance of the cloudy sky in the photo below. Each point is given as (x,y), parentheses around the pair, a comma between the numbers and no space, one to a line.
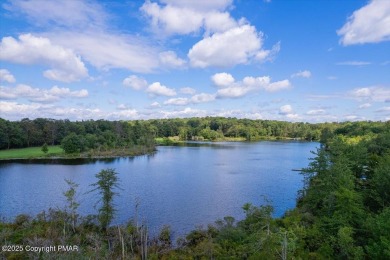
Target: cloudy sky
(304,60)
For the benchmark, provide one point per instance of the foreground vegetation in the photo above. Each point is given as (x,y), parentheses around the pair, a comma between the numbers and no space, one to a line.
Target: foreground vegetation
(343,212)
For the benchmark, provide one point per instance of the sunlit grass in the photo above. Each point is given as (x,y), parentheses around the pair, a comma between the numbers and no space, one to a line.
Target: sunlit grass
(31,152)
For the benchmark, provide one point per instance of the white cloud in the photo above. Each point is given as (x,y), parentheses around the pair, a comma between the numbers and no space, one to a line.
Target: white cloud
(286,109)
(302,74)
(160,90)
(14,110)
(124,113)
(65,65)
(187,112)
(288,112)
(196,99)
(170,60)
(122,107)
(369,24)
(171,19)
(200,4)
(135,82)
(233,92)
(222,79)
(85,27)
(186,17)
(268,55)
(60,12)
(375,94)
(278,85)
(40,95)
(6,76)
(177,101)
(154,105)
(354,63)
(107,50)
(365,105)
(202,98)
(228,88)
(238,45)
(353,118)
(188,91)
(316,112)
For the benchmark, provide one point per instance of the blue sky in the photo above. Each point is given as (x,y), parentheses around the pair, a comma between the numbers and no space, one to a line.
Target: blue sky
(311,61)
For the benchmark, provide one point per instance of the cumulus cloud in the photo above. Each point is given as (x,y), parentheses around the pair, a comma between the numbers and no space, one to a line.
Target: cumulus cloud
(40,95)
(375,94)
(226,41)
(222,79)
(65,65)
(6,76)
(229,88)
(237,45)
(160,90)
(135,82)
(202,98)
(196,99)
(170,60)
(302,74)
(14,110)
(369,24)
(286,109)
(186,17)
(288,112)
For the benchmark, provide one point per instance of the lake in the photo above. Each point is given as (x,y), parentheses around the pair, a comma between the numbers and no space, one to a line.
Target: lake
(182,186)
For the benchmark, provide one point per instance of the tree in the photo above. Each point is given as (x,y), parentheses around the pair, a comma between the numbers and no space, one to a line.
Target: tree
(70,195)
(44,148)
(72,143)
(107,181)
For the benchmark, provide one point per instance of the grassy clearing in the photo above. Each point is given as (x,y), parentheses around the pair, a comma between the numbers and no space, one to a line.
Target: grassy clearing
(31,152)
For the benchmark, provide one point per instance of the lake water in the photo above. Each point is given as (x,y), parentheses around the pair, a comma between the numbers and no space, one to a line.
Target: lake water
(183,186)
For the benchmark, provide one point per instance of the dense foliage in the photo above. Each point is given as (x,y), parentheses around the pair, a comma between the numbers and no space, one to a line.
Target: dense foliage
(343,212)
(75,137)
(100,135)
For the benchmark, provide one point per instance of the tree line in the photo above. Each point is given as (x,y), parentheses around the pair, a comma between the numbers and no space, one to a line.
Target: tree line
(76,136)
(84,135)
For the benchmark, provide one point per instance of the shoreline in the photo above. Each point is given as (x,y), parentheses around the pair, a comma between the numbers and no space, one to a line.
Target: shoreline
(110,154)
(130,152)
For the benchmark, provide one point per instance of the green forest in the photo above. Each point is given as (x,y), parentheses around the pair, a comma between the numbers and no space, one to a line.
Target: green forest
(101,135)
(342,212)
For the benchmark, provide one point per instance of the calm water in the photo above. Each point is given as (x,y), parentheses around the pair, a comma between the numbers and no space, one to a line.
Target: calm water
(180,186)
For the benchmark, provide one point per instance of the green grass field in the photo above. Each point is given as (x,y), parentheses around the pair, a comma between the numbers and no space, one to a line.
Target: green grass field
(31,152)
